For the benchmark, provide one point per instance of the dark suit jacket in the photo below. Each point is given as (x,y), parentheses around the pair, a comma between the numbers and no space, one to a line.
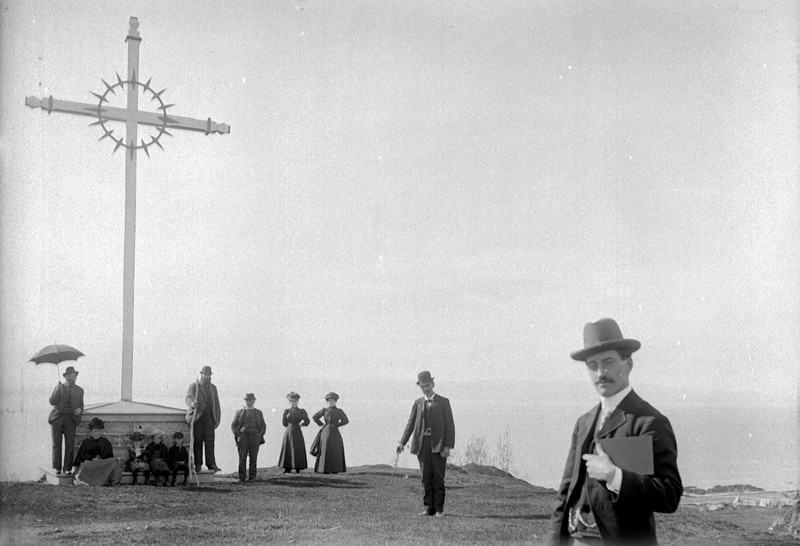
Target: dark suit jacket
(443,431)
(203,404)
(59,399)
(626,518)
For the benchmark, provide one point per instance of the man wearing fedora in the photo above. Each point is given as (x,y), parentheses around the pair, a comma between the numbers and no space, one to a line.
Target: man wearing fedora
(248,428)
(433,435)
(67,402)
(203,402)
(599,502)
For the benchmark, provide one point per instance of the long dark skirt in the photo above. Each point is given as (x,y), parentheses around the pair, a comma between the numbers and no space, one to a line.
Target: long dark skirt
(293,449)
(330,449)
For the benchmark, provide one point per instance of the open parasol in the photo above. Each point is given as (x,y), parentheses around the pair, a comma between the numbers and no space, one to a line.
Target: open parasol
(55,354)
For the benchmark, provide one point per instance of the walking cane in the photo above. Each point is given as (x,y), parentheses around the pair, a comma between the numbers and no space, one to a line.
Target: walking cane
(192,466)
(391,480)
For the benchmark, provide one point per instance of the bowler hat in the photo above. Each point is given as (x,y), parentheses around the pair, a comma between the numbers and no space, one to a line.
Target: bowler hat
(424,378)
(206,369)
(249,396)
(70,370)
(293,396)
(331,395)
(604,335)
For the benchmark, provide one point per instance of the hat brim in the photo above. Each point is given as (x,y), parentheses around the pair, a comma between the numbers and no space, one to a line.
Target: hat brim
(630,346)
(428,383)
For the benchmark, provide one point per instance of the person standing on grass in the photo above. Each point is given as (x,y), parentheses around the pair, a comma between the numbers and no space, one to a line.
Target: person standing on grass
(67,402)
(433,435)
(203,400)
(293,447)
(248,428)
(600,503)
(328,446)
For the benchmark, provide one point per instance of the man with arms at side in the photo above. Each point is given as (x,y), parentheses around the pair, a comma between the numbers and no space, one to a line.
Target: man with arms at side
(599,502)
(203,400)
(67,401)
(433,435)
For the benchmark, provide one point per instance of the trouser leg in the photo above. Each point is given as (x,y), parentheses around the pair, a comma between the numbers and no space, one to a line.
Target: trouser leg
(208,440)
(254,444)
(426,469)
(57,430)
(438,469)
(69,442)
(199,437)
(244,445)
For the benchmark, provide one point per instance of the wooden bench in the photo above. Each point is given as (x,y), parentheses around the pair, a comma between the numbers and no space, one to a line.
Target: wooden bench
(204,476)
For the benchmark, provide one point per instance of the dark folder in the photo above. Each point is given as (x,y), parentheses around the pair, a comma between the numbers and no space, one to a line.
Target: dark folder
(633,453)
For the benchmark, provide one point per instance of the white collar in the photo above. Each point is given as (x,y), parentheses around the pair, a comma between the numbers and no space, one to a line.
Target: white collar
(431,398)
(610,404)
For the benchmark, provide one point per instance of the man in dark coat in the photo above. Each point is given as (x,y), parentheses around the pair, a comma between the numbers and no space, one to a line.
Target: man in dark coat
(433,435)
(599,502)
(248,429)
(203,400)
(67,401)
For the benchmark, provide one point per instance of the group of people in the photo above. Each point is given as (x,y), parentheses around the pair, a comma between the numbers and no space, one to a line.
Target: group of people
(607,495)
(249,427)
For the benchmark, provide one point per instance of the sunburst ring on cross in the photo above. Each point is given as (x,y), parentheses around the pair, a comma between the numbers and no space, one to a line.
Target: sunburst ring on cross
(154,96)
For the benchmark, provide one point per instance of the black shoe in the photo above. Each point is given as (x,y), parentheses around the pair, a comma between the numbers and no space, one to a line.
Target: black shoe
(215,468)
(198,468)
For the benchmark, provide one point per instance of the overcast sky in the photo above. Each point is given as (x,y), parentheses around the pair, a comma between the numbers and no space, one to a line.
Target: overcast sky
(409,185)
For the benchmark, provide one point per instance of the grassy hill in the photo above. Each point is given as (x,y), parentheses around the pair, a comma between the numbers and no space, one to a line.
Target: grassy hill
(364,506)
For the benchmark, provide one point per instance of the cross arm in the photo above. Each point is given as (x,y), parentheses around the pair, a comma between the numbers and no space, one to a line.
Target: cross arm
(113,113)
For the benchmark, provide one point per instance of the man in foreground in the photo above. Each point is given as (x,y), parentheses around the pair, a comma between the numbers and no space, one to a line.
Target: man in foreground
(600,501)
(433,435)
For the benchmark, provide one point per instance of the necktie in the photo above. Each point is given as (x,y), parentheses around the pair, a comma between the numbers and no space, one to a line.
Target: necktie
(603,418)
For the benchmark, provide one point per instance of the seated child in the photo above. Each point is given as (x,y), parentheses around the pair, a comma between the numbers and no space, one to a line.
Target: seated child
(179,458)
(137,458)
(157,458)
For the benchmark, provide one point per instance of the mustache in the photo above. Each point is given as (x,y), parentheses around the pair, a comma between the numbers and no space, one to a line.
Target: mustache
(604,380)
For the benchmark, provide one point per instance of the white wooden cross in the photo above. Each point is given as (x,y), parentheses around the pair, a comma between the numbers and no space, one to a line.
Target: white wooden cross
(132,117)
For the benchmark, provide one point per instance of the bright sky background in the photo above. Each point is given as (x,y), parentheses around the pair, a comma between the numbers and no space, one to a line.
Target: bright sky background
(407,185)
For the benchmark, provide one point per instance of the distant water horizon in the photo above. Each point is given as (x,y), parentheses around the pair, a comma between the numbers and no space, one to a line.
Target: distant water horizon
(719,443)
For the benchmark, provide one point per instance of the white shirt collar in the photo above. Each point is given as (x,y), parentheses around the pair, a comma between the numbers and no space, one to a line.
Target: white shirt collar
(610,404)
(431,398)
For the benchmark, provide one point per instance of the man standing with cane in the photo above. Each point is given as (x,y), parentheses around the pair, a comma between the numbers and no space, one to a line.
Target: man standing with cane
(433,435)
(203,402)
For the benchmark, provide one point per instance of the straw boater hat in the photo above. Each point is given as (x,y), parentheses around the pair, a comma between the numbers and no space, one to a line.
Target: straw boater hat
(331,395)
(604,335)
(293,396)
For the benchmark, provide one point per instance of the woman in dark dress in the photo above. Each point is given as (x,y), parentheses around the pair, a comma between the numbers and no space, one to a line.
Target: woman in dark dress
(293,447)
(328,446)
(95,463)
